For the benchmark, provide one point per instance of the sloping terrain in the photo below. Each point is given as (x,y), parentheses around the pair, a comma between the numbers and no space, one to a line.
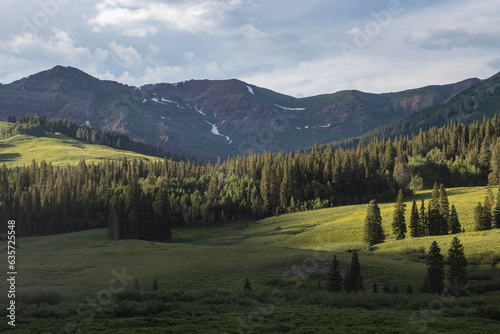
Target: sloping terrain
(208,119)
(58,149)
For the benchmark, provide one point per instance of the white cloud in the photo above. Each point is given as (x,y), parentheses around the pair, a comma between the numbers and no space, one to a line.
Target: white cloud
(144,18)
(127,57)
(290,46)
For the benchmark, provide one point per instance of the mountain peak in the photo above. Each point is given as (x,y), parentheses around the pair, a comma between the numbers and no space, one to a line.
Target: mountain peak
(211,118)
(495,76)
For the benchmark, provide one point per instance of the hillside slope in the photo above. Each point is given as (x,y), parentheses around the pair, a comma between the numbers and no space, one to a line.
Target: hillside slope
(480,100)
(209,119)
(61,150)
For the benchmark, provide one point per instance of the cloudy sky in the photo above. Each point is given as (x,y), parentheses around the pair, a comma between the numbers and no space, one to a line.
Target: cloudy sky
(296,47)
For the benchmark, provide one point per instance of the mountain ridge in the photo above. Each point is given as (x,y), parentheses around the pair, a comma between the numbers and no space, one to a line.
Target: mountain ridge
(214,118)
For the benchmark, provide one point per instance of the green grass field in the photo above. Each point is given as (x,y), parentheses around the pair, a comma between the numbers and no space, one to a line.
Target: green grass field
(83,281)
(61,150)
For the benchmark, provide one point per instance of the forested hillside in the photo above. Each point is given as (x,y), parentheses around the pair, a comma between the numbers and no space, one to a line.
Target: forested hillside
(144,199)
(472,104)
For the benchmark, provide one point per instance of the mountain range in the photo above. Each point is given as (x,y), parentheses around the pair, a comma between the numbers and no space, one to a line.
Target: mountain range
(208,119)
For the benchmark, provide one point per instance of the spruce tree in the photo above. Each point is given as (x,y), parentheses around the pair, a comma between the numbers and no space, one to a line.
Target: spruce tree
(455,226)
(435,269)
(335,278)
(248,285)
(457,268)
(496,215)
(444,210)
(374,233)
(155,284)
(346,281)
(496,211)
(434,219)
(424,224)
(398,223)
(162,229)
(415,227)
(487,217)
(478,216)
(354,272)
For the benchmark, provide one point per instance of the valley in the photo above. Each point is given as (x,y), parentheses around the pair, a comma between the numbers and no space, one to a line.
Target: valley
(201,277)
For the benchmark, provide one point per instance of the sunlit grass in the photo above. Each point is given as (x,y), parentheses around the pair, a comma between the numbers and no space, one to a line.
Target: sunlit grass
(61,150)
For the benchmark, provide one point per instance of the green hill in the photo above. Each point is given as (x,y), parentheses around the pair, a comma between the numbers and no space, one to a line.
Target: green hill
(21,149)
(201,278)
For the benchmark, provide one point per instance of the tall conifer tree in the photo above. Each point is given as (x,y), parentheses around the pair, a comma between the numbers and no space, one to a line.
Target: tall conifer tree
(335,278)
(455,226)
(415,228)
(398,223)
(457,268)
(435,269)
(374,233)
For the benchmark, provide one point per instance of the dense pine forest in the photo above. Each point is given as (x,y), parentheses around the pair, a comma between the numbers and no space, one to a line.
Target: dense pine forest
(138,199)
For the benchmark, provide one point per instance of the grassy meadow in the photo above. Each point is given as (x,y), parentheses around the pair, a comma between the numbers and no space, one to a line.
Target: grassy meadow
(85,283)
(61,150)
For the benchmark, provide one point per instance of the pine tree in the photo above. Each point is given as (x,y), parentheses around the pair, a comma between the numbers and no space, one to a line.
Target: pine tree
(434,218)
(487,217)
(374,233)
(482,216)
(496,215)
(346,282)
(155,284)
(248,285)
(162,226)
(444,210)
(133,208)
(354,272)
(424,223)
(335,278)
(415,228)
(457,268)
(375,287)
(478,216)
(435,269)
(398,223)
(455,226)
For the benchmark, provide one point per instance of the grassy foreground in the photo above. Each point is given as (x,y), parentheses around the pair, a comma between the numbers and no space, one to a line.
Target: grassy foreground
(83,282)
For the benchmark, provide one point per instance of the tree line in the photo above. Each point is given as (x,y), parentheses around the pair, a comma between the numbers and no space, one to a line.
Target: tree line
(36,125)
(436,274)
(48,199)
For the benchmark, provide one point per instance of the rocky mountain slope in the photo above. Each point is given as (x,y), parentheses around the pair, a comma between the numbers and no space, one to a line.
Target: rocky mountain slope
(208,119)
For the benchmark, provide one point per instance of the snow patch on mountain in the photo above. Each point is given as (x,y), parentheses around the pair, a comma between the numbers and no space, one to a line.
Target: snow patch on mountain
(216,132)
(287,108)
(199,110)
(165,102)
(250,89)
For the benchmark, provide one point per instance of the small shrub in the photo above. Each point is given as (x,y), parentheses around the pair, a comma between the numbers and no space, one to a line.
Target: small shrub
(484,259)
(48,298)
(419,252)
